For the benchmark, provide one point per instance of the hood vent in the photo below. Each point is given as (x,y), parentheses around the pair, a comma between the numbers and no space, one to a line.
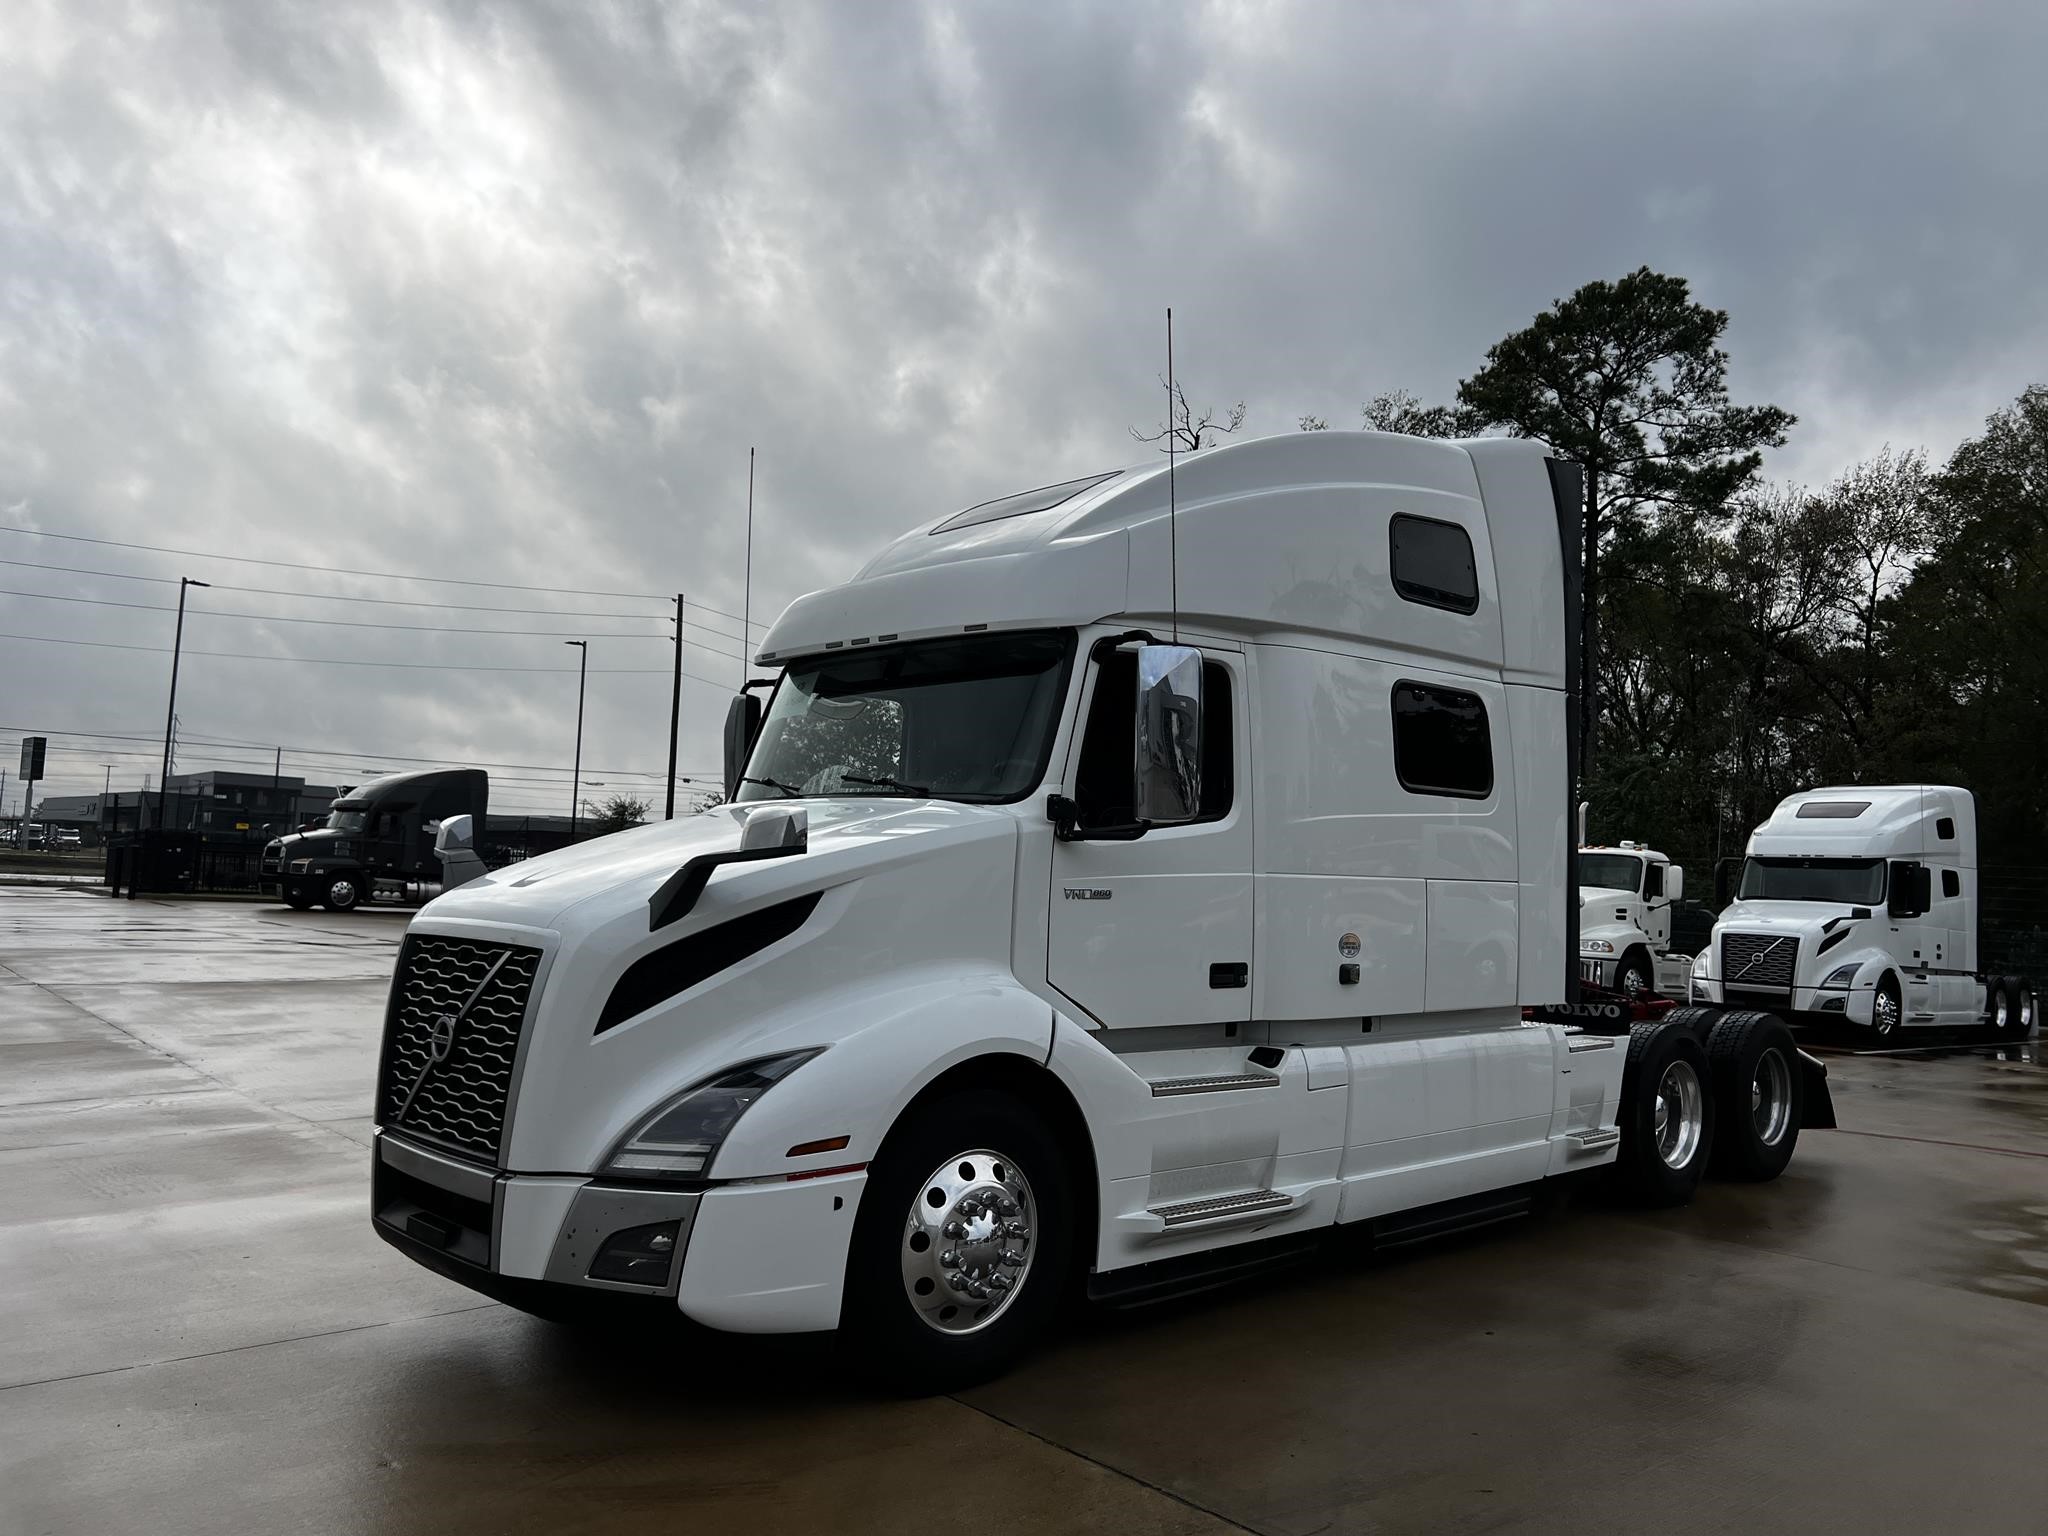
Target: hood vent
(675,968)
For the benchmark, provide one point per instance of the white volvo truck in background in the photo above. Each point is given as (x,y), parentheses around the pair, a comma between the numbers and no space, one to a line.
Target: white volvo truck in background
(1110,897)
(1860,904)
(1627,895)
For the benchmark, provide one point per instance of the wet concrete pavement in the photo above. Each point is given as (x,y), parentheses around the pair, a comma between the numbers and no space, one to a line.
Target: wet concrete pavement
(201,1332)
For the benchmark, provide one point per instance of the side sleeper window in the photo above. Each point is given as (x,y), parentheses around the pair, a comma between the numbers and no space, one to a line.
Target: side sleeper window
(1951,883)
(1103,784)
(1442,745)
(1432,563)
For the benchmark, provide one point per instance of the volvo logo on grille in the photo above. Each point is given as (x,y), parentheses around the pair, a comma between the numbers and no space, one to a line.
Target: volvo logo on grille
(442,1040)
(1765,952)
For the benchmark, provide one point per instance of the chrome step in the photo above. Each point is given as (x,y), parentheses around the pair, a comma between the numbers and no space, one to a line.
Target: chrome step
(1595,1141)
(1219,1208)
(1222,1082)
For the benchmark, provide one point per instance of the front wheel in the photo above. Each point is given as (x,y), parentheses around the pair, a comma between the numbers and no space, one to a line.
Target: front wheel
(1633,975)
(1887,1010)
(343,894)
(962,1252)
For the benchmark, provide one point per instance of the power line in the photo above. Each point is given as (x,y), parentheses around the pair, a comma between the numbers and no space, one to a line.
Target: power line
(340,597)
(344,661)
(320,752)
(335,570)
(280,618)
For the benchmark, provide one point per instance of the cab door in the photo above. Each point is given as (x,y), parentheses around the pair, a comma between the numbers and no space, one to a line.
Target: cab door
(1155,930)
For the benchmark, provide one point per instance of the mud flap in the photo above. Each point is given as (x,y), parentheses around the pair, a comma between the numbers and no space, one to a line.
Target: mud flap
(1817,1111)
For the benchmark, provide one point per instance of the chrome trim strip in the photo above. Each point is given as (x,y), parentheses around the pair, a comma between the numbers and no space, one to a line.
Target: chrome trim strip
(458,1178)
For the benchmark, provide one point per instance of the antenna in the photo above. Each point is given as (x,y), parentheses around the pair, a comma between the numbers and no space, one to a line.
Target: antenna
(747,595)
(1172,506)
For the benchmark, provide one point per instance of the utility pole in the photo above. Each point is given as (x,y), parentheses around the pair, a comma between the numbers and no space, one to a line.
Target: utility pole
(675,710)
(171,709)
(576,773)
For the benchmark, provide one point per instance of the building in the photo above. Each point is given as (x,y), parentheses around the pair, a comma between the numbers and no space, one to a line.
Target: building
(257,806)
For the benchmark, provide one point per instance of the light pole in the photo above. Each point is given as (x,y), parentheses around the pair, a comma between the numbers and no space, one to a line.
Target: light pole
(171,710)
(576,773)
(675,709)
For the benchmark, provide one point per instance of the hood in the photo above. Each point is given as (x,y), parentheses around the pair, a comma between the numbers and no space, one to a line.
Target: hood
(1794,917)
(307,843)
(619,872)
(1604,896)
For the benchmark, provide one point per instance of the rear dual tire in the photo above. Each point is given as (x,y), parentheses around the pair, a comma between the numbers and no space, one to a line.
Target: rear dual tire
(2012,1007)
(1666,1115)
(1760,1092)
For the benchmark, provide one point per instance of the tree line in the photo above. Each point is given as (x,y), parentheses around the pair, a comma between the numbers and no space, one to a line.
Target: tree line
(1745,638)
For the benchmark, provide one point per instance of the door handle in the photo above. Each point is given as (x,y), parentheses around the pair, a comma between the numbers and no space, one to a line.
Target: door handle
(1232,974)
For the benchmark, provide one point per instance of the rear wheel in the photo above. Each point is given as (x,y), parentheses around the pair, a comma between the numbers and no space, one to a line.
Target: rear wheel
(1757,1090)
(1666,1115)
(2029,1011)
(962,1252)
(342,894)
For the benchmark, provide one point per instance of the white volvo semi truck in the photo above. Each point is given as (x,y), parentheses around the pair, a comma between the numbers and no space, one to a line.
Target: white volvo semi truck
(1128,878)
(1859,904)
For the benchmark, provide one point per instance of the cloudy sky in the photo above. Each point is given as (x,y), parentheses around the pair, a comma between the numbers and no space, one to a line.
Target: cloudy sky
(504,293)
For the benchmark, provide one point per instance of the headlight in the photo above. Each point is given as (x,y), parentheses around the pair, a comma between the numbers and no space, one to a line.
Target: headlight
(1598,947)
(1701,964)
(680,1138)
(300,866)
(1842,975)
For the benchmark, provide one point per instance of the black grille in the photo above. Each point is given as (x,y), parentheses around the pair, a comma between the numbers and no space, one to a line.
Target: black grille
(1758,961)
(460,1101)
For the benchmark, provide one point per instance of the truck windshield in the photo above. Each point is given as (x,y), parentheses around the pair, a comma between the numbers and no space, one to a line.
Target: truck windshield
(353,822)
(1848,882)
(1611,871)
(957,719)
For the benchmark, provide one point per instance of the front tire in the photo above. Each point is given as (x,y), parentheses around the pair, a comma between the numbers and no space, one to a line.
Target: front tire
(1759,1093)
(343,894)
(1633,974)
(1887,1009)
(1667,1115)
(962,1255)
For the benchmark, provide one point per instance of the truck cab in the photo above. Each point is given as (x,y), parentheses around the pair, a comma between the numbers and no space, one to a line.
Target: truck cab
(1125,877)
(377,844)
(1627,894)
(1858,904)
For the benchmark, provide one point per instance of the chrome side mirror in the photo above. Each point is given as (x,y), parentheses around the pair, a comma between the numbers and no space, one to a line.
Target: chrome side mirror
(1168,759)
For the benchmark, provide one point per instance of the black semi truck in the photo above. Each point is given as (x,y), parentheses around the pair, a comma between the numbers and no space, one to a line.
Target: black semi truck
(378,844)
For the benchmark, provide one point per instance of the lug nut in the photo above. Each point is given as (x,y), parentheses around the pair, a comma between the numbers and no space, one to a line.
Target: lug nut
(978,1292)
(1009,1207)
(955,1230)
(1011,1257)
(957,1281)
(999,1282)
(949,1260)
(1015,1229)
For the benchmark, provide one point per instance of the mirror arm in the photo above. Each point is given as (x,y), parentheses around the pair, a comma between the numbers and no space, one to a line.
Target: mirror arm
(1065,817)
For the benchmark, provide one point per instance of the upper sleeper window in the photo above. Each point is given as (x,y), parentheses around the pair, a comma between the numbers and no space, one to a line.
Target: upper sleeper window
(1442,745)
(1433,564)
(1945,829)
(1831,810)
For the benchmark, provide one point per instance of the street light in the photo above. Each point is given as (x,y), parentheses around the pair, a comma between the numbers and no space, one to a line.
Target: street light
(171,710)
(576,773)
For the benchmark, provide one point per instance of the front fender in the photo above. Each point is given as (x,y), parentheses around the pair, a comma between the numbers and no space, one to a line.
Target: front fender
(1871,963)
(865,1079)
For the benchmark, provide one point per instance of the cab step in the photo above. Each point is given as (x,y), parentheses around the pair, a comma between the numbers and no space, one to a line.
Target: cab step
(1216,1210)
(1221,1082)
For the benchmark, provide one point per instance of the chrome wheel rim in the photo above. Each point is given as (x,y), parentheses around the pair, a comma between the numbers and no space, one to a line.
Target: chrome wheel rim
(1681,1115)
(1884,1012)
(341,893)
(967,1243)
(1770,1097)
(2029,1005)
(1631,980)
(2001,1012)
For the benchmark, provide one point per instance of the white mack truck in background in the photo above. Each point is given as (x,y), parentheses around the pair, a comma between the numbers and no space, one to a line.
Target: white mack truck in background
(1129,878)
(1627,895)
(1859,903)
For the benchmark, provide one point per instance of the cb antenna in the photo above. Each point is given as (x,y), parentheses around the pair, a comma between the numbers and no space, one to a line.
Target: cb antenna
(1172,506)
(747,591)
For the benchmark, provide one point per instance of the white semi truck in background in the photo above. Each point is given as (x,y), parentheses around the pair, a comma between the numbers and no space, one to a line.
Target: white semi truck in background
(1627,894)
(1128,876)
(1860,904)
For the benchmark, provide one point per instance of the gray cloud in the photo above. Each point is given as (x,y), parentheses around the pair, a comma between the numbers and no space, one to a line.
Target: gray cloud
(506,293)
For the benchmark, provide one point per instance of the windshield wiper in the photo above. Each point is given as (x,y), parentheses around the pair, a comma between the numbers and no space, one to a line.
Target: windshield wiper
(886,782)
(787,792)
